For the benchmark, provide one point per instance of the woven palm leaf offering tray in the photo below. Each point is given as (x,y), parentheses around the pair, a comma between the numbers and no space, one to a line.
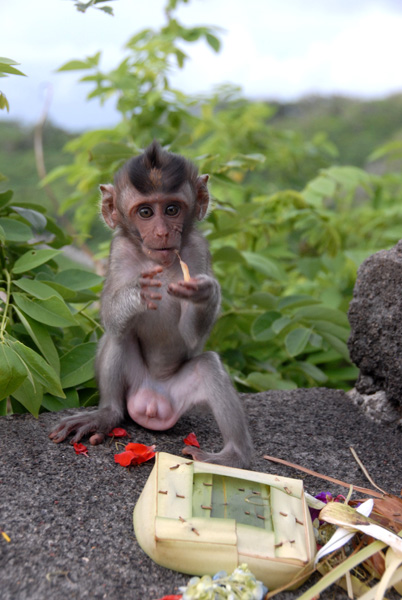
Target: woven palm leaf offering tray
(200,518)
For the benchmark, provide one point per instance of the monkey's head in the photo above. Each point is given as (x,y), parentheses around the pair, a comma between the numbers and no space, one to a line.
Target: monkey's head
(155,199)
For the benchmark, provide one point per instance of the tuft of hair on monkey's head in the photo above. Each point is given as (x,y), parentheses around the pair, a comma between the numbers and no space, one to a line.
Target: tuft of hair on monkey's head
(157,170)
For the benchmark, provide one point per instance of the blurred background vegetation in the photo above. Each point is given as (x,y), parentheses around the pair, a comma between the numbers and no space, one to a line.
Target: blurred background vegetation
(301,194)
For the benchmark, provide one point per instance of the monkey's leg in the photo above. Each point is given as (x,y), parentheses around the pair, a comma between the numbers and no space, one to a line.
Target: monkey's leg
(113,360)
(203,380)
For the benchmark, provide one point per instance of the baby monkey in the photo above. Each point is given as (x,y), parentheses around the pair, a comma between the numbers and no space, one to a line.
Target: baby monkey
(150,361)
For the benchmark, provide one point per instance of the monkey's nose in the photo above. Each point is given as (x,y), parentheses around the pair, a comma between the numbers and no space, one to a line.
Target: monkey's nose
(162,234)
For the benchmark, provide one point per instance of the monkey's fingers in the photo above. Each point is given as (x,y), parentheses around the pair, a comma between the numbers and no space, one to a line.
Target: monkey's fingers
(63,430)
(58,435)
(145,283)
(182,287)
(152,272)
(189,284)
(148,298)
(152,306)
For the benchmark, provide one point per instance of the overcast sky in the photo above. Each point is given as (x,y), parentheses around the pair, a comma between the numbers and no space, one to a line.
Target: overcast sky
(274,49)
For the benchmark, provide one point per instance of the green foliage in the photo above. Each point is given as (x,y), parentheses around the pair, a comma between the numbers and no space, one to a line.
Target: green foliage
(287,230)
(83,6)
(17,160)
(47,331)
(356,127)
(7,67)
(259,234)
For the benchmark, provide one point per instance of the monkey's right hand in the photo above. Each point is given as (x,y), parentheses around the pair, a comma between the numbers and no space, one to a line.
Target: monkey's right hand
(99,422)
(148,280)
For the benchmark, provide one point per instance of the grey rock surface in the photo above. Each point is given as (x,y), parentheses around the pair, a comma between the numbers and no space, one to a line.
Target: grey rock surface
(375,316)
(69,517)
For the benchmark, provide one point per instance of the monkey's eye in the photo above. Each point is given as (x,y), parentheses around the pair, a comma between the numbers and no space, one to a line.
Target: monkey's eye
(145,212)
(172,210)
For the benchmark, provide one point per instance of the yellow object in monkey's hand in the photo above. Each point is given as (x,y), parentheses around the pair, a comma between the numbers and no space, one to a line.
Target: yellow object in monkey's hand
(184,268)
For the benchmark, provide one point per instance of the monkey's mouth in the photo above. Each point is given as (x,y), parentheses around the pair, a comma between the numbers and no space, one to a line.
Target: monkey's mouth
(163,249)
(164,256)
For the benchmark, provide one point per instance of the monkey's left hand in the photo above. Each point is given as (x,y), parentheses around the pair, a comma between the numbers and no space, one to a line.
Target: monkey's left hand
(197,289)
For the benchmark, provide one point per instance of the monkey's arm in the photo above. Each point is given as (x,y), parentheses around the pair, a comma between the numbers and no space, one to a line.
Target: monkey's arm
(129,290)
(200,308)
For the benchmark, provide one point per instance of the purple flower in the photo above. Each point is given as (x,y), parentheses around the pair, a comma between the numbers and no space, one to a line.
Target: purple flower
(324,497)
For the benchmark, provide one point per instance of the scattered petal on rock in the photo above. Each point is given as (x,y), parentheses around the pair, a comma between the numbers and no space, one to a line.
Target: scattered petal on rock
(191,440)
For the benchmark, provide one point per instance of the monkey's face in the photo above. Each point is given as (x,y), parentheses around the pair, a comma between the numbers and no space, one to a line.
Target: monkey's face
(158,221)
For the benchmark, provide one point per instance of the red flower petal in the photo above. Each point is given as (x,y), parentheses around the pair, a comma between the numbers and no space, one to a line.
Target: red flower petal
(172,597)
(191,440)
(80,449)
(124,458)
(139,449)
(140,458)
(135,454)
(118,432)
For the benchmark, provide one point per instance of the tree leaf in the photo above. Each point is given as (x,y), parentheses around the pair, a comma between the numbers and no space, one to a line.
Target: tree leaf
(78,279)
(297,340)
(269,381)
(228,254)
(8,61)
(296,300)
(12,372)
(30,396)
(5,68)
(313,372)
(280,324)
(324,186)
(61,237)
(77,365)
(336,343)
(40,369)
(107,152)
(52,311)
(66,293)
(342,333)
(5,198)
(213,41)
(4,104)
(261,328)
(262,299)
(35,218)
(32,259)
(74,65)
(322,313)
(263,265)
(15,231)
(54,404)
(36,288)
(41,337)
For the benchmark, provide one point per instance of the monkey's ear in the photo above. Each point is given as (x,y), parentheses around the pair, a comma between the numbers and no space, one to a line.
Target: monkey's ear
(108,206)
(202,196)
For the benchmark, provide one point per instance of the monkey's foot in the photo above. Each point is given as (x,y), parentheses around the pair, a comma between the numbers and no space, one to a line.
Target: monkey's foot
(227,457)
(95,422)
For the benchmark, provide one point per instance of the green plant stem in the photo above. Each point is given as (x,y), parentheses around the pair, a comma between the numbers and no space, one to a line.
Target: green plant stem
(7,304)
(90,319)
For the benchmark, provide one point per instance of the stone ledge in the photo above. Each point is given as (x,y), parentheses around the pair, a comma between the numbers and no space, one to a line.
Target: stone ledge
(70,517)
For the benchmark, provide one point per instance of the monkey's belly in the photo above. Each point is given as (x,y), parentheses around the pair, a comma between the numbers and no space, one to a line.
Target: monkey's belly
(152,409)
